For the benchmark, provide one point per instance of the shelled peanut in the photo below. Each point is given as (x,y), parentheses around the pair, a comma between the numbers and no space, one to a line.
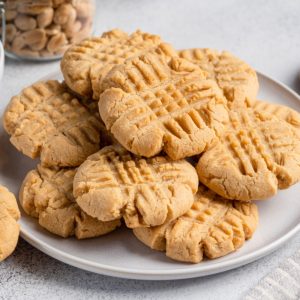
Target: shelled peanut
(46,28)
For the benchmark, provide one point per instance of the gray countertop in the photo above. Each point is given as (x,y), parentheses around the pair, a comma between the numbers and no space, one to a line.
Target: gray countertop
(264,33)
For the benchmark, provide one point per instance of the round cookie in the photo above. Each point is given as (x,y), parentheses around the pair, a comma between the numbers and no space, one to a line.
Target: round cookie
(154,103)
(9,228)
(236,78)
(258,154)
(47,194)
(213,227)
(46,120)
(85,64)
(282,112)
(113,183)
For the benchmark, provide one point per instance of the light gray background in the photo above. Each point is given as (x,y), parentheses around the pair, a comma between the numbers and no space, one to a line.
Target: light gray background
(264,33)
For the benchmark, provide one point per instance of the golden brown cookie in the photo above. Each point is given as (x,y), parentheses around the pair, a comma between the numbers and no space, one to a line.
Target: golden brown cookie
(9,228)
(258,154)
(236,78)
(85,64)
(113,183)
(47,194)
(213,227)
(46,120)
(289,115)
(152,103)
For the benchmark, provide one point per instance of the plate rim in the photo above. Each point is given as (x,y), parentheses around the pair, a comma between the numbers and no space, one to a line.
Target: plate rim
(170,274)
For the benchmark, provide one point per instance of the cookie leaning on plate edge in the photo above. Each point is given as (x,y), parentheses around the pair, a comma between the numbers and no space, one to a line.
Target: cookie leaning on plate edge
(9,228)
(257,154)
(213,227)
(47,194)
(45,120)
(287,114)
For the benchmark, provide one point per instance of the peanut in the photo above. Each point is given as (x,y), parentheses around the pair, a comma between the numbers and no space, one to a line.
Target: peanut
(18,43)
(71,31)
(46,17)
(11,32)
(33,36)
(33,7)
(57,3)
(40,45)
(56,42)
(69,26)
(84,9)
(25,23)
(62,14)
(10,15)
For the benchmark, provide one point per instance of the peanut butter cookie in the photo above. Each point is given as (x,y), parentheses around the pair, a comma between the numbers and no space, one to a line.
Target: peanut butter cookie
(282,112)
(258,154)
(236,78)
(85,64)
(47,194)
(213,227)
(9,228)
(46,120)
(113,183)
(153,103)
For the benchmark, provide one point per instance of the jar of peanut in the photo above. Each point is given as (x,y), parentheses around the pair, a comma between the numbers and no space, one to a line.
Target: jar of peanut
(44,29)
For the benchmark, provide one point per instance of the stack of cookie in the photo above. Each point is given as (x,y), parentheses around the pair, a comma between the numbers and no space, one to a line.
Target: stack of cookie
(175,144)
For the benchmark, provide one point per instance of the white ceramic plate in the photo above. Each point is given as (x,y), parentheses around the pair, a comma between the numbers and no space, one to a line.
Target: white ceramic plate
(120,254)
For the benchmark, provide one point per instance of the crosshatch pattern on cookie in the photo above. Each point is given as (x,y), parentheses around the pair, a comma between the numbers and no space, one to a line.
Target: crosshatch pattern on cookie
(236,78)
(257,154)
(47,194)
(213,227)
(84,65)
(45,120)
(292,117)
(153,105)
(112,184)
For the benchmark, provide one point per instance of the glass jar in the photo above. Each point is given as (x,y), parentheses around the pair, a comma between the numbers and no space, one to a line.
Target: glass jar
(44,29)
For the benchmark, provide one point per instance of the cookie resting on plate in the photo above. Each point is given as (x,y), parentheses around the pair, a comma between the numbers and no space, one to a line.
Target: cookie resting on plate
(258,154)
(47,194)
(289,115)
(9,228)
(236,79)
(154,103)
(113,183)
(212,228)
(47,121)
(85,64)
